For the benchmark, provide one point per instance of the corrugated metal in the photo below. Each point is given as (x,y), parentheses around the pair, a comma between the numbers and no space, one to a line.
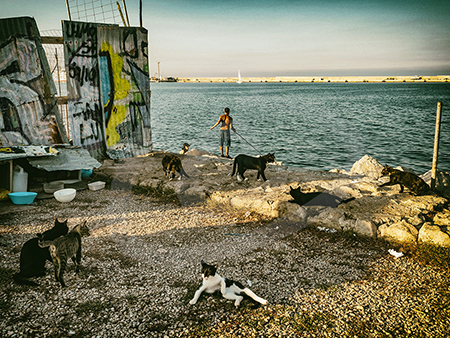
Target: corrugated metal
(67,159)
(27,93)
(125,90)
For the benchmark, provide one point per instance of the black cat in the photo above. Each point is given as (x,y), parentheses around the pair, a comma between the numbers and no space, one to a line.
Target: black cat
(244,162)
(316,198)
(172,163)
(414,183)
(32,257)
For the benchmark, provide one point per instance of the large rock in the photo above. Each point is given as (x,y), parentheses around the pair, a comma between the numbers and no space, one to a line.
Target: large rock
(399,232)
(442,218)
(367,166)
(442,185)
(432,234)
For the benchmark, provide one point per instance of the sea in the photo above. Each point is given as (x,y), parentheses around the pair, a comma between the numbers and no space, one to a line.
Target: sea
(315,126)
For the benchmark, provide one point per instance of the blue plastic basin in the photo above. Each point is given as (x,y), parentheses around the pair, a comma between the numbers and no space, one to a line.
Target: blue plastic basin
(25,197)
(86,172)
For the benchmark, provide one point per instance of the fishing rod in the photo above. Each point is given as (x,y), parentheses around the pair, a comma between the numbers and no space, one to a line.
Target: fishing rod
(247,142)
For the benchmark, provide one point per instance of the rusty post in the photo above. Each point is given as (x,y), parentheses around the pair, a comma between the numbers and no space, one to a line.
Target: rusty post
(140,13)
(68,10)
(121,14)
(436,146)
(126,12)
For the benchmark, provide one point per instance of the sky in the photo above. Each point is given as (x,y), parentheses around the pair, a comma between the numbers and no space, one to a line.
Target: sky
(216,38)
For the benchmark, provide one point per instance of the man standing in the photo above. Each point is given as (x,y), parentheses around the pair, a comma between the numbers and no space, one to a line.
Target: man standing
(225,138)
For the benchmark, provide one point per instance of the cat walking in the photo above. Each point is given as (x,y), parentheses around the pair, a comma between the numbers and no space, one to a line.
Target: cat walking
(172,164)
(229,289)
(244,162)
(414,183)
(33,258)
(63,248)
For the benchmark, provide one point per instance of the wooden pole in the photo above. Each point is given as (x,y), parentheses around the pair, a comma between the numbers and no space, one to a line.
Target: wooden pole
(121,14)
(57,69)
(126,12)
(140,13)
(68,10)
(436,146)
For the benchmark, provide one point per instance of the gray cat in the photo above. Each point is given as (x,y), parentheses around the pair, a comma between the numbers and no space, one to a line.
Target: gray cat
(65,247)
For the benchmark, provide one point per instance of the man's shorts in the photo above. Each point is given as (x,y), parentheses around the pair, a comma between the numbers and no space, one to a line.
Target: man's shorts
(225,139)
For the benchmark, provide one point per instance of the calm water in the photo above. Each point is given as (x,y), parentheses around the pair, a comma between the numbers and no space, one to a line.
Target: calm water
(308,125)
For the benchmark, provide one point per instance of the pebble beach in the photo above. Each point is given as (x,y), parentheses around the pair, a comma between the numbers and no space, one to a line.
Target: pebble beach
(141,266)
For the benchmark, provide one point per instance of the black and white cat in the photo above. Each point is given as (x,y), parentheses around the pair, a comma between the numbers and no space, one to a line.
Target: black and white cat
(33,258)
(229,289)
(244,162)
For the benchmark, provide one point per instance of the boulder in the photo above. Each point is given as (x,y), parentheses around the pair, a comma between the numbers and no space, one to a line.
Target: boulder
(367,166)
(399,232)
(442,185)
(442,218)
(432,234)
(360,227)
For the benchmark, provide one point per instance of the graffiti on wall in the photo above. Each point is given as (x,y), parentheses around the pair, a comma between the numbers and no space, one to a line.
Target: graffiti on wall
(83,92)
(125,89)
(27,109)
(108,88)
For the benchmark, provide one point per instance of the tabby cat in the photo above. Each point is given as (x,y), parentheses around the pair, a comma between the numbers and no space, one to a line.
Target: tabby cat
(229,289)
(316,198)
(172,163)
(33,258)
(244,162)
(414,183)
(63,248)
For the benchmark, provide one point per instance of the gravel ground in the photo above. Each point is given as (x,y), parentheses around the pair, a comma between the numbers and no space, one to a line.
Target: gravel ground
(141,266)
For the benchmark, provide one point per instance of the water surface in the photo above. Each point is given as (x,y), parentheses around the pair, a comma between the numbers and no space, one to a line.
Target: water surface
(308,125)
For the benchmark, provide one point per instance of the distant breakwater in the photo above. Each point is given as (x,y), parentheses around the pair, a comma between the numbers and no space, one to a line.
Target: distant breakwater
(321,79)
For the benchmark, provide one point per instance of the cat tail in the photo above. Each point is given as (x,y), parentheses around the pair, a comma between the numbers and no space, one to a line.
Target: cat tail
(182,172)
(19,279)
(251,294)
(44,244)
(348,200)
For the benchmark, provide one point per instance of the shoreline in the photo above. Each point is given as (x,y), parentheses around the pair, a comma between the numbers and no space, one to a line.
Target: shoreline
(318,79)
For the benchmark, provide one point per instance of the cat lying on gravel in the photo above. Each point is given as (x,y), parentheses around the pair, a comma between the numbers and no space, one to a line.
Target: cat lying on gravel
(33,258)
(229,289)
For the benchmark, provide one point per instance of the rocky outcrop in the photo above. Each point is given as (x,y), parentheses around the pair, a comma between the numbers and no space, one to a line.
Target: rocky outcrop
(433,234)
(375,212)
(368,166)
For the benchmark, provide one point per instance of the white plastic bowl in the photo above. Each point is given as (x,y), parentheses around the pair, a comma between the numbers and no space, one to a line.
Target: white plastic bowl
(96,185)
(65,195)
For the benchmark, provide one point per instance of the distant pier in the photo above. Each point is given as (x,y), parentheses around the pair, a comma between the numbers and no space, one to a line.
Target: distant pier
(321,79)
